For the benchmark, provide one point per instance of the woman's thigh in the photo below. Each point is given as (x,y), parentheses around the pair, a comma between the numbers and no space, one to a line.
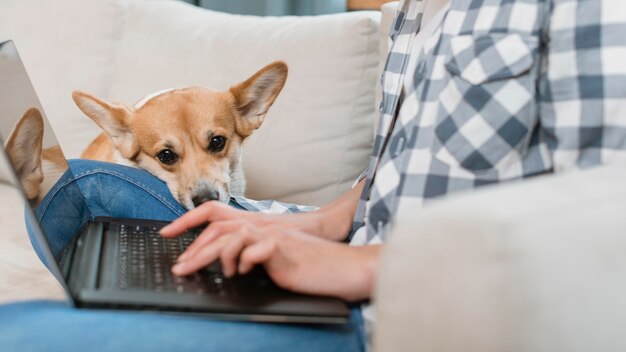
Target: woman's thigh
(96,189)
(46,325)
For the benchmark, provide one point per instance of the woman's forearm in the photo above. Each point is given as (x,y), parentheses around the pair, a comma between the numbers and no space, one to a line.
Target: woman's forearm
(369,258)
(336,217)
(332,221)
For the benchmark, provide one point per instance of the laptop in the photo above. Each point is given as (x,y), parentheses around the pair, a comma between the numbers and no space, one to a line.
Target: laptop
(123,264)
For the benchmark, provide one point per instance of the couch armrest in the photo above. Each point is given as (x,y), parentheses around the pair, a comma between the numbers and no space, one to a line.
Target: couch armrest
(532,266)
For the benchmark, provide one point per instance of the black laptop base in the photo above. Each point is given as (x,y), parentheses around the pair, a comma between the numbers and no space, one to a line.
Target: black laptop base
(124,264)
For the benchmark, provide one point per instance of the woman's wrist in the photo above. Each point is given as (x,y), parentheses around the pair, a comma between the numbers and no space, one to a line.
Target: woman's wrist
(309,222)
(331,222)
(334,224)
(361,274)
(336,218)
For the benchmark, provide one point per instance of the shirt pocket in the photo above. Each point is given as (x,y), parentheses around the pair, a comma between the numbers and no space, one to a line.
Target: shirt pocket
(487,106)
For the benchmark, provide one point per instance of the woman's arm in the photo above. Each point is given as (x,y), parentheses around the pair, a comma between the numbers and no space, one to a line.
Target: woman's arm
(294,260)
(331,222)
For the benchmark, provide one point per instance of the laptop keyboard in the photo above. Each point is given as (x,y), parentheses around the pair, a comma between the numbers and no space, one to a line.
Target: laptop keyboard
(146,258)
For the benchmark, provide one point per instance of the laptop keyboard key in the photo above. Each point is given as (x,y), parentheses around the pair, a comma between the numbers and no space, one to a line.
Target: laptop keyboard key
(145,259)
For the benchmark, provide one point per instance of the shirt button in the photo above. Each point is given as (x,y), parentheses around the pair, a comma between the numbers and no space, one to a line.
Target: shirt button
(379,228)
(399,147)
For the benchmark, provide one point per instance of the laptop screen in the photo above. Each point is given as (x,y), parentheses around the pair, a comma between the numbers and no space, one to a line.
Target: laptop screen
(32,161)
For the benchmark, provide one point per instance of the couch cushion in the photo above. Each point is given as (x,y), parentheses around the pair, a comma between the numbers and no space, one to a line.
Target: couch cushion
(22,275)
(65,45)
(317,136)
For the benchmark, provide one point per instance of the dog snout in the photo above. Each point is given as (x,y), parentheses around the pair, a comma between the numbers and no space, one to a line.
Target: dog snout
(205,196)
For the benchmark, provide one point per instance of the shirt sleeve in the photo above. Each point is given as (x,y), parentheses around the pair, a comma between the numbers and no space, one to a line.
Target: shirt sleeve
(361,177)
(583,83)
(270,206)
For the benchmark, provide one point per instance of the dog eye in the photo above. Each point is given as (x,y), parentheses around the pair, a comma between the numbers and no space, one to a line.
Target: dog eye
(217,144)
(167,157)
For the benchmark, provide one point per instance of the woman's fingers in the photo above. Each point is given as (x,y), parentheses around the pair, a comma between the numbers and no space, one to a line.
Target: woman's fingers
(227,248)
(207,212)
(257,253)
(230,252)
(209,234)
(205,256)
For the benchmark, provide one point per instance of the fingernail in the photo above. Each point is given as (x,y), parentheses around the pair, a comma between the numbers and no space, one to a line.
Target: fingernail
(178,268)
(164,229)
(182,257)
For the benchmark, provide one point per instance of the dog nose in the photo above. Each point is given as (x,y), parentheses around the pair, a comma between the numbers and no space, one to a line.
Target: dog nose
(205,196)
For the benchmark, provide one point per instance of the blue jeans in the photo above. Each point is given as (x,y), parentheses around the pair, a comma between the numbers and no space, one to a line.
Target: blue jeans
(119,191)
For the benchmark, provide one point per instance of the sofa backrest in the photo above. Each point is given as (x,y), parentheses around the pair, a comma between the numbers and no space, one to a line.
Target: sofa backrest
(317,136)
(65,45)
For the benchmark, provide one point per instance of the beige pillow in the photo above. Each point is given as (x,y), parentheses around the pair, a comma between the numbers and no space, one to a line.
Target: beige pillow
(317,136)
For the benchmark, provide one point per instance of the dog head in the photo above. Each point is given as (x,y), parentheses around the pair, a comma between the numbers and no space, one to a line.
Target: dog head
(189,138)
(24,148)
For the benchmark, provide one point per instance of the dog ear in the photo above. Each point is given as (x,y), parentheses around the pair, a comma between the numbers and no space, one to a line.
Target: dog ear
(254,96)
(113,119)
(24,147)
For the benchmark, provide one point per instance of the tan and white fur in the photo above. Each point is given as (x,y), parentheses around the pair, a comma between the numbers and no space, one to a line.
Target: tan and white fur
(190,138)
(37,169)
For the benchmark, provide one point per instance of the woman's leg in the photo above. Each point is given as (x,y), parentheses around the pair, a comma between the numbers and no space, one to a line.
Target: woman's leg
(119,191)
(91,189)
(52,326)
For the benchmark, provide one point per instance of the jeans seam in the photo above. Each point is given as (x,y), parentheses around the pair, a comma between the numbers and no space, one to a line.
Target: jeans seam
(111,173)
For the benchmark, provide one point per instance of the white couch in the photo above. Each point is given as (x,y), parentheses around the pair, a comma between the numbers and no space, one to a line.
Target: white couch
(532,266)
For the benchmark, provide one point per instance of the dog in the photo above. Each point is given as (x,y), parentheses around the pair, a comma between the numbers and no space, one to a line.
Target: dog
(190,138)
(37,169)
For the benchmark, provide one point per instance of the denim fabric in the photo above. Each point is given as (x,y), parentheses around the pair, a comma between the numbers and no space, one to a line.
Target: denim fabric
(120,191)
(53,326)
(91,189)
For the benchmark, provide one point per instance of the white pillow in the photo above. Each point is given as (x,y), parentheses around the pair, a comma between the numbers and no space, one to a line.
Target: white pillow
(317,136)
(65,45)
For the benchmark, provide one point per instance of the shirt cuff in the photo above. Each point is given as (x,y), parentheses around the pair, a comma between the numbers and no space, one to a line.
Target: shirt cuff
(361,177)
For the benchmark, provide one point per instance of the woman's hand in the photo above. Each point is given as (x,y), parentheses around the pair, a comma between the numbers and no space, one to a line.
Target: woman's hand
(294,260)
(214,212)
(331,222)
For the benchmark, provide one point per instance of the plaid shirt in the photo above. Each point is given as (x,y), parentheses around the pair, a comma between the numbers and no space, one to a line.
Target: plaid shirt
(503,90)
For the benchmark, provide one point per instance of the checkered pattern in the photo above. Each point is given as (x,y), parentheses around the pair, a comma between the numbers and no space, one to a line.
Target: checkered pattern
(503,90)
(270,206)
(404,27)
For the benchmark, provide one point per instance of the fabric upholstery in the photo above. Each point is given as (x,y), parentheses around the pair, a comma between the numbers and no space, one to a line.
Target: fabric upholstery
(317,136)
(532,266)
